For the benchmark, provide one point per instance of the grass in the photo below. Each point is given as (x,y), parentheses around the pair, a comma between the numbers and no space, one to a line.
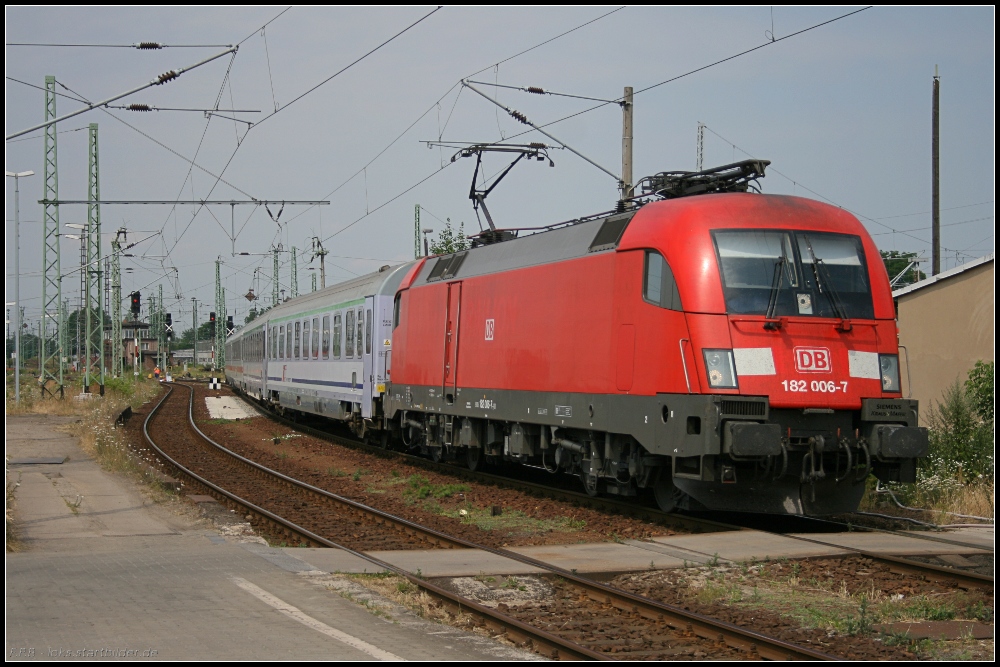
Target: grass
(418,488)
(512,521)
(821,604)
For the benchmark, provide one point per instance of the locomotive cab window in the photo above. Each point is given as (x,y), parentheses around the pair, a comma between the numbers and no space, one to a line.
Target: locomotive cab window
(793,273)
(658,285)
(395,310)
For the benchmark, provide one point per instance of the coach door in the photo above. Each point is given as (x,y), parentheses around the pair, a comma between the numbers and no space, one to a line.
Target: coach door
(453,313)
(368,386)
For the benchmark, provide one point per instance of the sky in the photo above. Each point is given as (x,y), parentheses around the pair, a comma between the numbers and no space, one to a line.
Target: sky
(842,111)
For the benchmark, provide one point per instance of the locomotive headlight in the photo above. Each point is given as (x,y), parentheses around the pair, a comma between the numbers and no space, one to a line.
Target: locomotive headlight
(721,369)
(888,365)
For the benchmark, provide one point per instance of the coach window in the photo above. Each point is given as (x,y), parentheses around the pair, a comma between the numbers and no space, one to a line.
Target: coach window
(288,341)
(305,340)
(336,336)
(361,330)
(315,339)
(658,286)
(326,336)
(281,342)
(368,332)
(297,346)
(349,329)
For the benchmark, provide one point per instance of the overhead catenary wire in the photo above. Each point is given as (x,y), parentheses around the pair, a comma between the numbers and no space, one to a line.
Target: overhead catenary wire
(142,46)
(695,71)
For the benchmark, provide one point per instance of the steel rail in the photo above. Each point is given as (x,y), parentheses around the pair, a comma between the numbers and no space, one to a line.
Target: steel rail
(680,619)
(555,646)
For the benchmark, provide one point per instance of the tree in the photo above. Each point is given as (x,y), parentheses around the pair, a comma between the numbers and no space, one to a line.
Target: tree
(896,262)
(448,242)
(186,339)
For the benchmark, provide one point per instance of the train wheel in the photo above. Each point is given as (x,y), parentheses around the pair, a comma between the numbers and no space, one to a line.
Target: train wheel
(589,484)
(667,495)
(474,458)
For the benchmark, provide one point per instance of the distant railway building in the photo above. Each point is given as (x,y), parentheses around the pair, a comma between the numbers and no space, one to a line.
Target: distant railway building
(946,326)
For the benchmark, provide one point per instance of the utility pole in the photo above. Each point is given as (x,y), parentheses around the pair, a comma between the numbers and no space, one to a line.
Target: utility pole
(295,275)
(51,266)
(95,308)
(700,161)
(416,232)
(151,332)
(936,178)
(627,189)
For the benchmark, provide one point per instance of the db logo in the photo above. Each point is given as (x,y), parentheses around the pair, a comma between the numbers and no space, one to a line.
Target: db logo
(813,360)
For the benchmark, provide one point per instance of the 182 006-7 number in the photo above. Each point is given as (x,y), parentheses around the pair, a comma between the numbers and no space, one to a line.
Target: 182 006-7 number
(821,386)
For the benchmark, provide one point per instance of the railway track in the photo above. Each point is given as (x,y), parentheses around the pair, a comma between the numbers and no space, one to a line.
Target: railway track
(927,571)
(583,620)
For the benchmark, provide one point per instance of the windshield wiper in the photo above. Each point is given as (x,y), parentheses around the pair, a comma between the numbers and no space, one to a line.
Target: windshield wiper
(819,266)
(772,302)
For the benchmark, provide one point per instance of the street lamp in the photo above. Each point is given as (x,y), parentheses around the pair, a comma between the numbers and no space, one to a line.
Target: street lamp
(17,176)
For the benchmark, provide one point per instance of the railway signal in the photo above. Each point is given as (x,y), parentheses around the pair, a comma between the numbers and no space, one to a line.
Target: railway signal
(136,304)
(168,327)
(230,327)
(211,323)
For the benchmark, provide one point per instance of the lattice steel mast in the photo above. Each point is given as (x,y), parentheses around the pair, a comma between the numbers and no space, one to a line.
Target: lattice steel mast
(94,348)
(117,351)
(295,275)
(220,318)
(51,265)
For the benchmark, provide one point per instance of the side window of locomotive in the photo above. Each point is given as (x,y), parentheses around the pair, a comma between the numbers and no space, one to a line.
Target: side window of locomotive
(337,333)
(326,336)
(368,332)
(658,285)
(395,311)
(281,342)
(361,332)
(349,328)
(315,339)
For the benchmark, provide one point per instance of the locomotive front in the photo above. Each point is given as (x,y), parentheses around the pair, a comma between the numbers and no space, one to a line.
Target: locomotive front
(790,339)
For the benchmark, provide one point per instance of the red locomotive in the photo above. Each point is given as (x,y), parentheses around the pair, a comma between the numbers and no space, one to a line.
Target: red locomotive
(730,351)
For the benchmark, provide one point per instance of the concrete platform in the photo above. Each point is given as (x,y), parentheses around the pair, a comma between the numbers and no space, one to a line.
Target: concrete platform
(106,574)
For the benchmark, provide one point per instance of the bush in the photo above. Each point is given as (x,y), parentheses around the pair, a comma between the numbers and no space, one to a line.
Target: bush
(961,432)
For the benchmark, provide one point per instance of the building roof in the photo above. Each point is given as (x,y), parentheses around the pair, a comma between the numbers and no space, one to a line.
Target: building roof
(944,275)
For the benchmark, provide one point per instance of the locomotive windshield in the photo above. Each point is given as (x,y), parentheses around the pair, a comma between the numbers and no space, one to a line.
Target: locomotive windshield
(797,273)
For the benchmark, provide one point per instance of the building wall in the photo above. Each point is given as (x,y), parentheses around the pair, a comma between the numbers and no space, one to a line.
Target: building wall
(946,327)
